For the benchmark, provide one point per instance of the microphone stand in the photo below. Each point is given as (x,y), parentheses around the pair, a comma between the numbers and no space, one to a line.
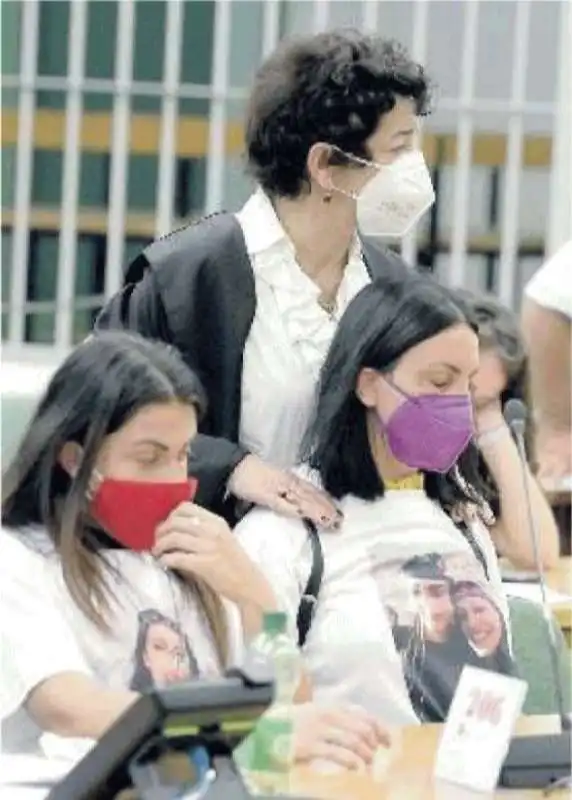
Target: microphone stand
(539,761)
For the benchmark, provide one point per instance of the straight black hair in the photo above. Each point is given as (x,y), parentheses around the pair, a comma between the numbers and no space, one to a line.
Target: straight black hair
(385,320)
(99,387)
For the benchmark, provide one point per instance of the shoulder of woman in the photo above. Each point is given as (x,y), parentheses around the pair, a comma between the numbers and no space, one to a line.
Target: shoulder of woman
(263,530)
(24,544)
(305,472)
(195,245)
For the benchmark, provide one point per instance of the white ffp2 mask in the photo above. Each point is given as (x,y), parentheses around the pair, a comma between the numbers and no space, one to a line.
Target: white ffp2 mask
(396,197)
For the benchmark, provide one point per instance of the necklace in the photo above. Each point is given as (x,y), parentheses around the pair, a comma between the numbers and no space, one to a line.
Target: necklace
(329,306)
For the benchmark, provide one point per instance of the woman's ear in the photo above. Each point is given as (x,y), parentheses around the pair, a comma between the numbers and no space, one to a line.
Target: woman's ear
(367,387)
(318,166)
(70,458)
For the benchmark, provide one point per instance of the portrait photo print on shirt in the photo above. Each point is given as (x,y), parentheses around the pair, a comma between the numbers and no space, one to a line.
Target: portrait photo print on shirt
(444,616)
(162,654)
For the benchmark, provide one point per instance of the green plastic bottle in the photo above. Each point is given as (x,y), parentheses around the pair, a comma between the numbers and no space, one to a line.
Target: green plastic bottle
(269,749)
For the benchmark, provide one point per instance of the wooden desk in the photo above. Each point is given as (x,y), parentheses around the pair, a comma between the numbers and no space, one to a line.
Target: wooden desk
(408,774)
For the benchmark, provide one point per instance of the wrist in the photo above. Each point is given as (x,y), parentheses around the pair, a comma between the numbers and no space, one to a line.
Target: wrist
(239,461)
(257,594)
(261,596)
(259,601)
(492,434)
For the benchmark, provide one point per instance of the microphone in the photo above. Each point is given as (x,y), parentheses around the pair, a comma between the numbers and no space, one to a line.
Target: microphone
(537,761)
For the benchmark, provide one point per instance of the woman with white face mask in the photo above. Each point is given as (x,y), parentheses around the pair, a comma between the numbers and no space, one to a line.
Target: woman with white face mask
(253,299)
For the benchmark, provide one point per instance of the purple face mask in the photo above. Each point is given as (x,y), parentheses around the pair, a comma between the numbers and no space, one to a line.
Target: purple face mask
(430,431)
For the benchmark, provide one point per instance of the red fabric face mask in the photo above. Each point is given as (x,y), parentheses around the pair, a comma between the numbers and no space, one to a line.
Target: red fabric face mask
(130,511)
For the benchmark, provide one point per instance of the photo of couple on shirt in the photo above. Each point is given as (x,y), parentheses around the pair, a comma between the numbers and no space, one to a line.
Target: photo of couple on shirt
(443,617)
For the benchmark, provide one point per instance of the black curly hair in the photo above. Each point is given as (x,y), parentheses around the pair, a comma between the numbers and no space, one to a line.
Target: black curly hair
(331,87)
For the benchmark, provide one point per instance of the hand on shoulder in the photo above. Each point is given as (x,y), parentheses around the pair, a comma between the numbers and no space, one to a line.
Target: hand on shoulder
(283,492)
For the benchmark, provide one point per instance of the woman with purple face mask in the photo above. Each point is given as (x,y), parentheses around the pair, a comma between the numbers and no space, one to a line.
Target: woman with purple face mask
(392,442)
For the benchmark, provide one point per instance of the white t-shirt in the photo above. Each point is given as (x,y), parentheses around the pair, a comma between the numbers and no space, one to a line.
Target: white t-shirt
(289,337)
(389,632)
(158,634)
(551,285)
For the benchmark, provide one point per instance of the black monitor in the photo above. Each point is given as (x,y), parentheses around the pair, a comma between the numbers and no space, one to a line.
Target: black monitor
(214,715)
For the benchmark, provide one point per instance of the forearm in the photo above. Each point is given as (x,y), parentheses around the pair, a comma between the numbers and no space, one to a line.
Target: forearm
(259,599)
(511,533)
(74,705)
(547,335)
(212,461)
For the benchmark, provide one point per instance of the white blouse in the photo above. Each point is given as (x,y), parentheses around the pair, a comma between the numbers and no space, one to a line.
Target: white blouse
(289,337)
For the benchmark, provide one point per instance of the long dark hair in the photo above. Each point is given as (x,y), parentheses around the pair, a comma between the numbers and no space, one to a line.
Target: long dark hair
(499,331)
(99,387)
(385,320)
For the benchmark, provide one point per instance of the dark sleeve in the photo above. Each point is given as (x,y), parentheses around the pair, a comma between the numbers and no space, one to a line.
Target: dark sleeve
(139,307)
(212,462)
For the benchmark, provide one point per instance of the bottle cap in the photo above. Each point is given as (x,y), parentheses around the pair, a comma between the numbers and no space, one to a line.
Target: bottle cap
(274,623)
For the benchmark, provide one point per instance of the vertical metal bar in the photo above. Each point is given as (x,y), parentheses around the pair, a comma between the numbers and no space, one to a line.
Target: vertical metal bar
(461,193)
(71,171)
(217,123)
(321,15)
(270,26)
(169,114)
(559,229)
(370,15)
(419,53)
(29,25)
(511,192)
(118,174)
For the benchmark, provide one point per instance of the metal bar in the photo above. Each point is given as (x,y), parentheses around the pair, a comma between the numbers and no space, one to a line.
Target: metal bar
(270,26)
(461,193)
(559,229)
(370,15)
(419,53)
(67,244)
(193,91)
(321,15)
(508,260)
(169,112)
(29,26)
(119,170)
(216,151)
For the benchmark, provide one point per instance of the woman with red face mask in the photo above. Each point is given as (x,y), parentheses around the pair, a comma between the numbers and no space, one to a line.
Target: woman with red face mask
(113,580)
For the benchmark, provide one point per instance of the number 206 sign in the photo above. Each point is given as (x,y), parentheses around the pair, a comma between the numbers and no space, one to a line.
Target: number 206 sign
(479,728)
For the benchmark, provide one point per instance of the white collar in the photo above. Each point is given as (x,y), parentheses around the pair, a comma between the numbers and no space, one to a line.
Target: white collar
(260,225)
(262,229)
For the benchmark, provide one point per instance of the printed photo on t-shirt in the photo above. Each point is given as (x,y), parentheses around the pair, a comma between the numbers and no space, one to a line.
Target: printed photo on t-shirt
(443,616)
(162,653)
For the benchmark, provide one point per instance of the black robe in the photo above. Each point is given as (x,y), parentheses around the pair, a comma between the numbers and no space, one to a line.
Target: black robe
(194,289)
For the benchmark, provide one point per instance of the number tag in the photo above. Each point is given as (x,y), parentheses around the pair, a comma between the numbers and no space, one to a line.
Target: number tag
(479,728)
